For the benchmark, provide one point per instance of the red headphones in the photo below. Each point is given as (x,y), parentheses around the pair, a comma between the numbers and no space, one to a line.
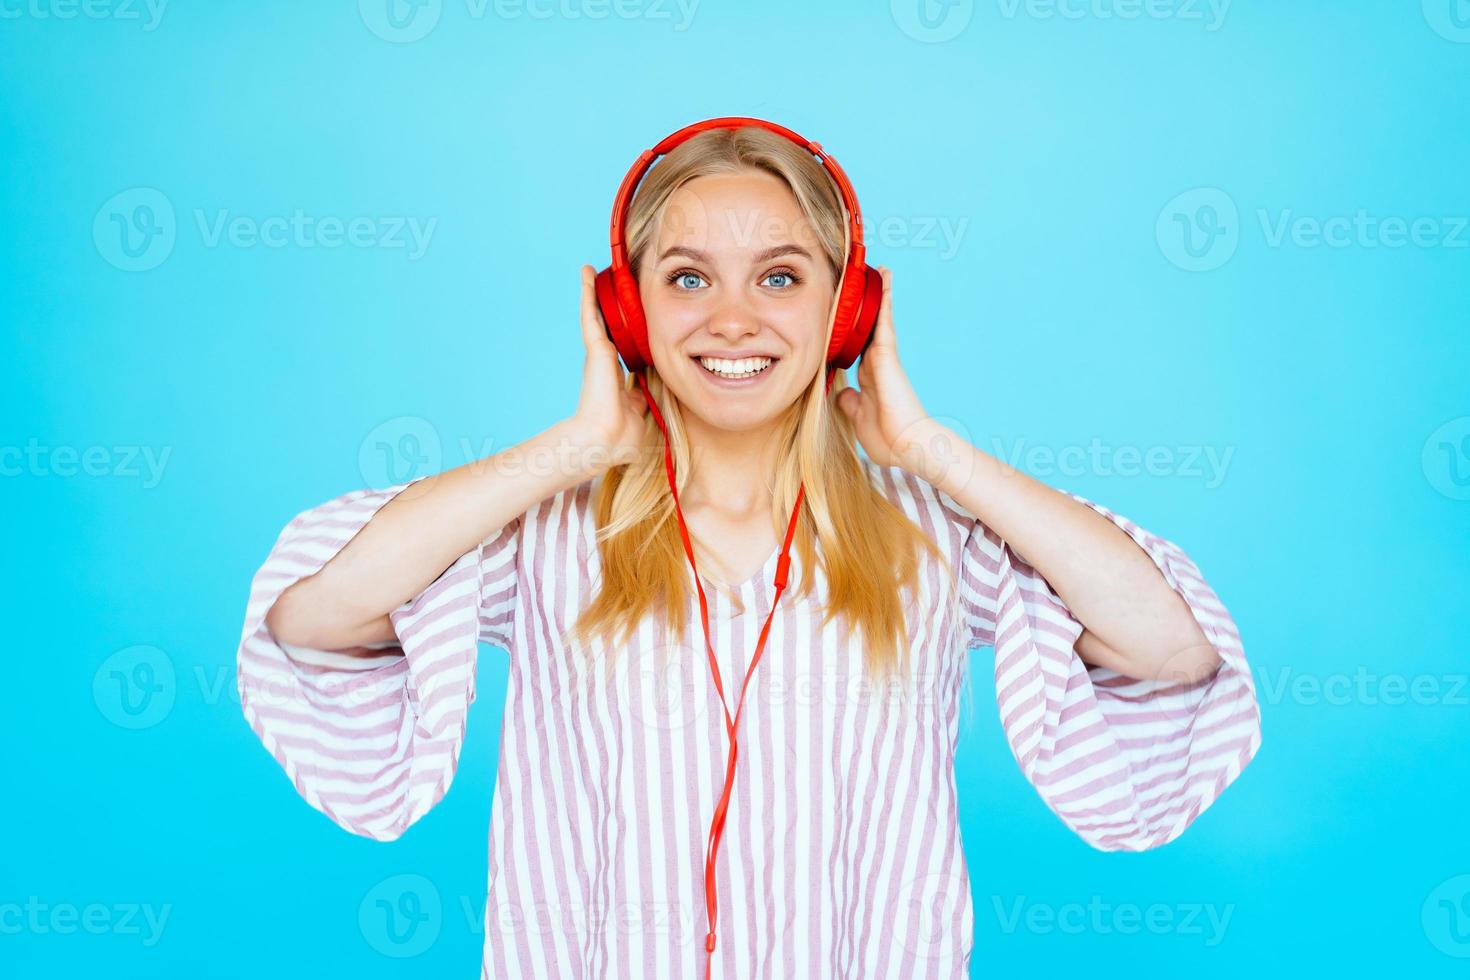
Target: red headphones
(858,301)
(617,291)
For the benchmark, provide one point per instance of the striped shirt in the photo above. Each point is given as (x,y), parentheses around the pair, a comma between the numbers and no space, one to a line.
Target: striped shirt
(841,854)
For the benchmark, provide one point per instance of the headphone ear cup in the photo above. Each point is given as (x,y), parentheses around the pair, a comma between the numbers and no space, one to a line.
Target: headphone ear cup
(622,311)
(857,315)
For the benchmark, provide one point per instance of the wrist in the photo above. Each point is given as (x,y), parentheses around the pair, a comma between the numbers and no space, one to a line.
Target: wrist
(590,449)
(583,452)
(935,453)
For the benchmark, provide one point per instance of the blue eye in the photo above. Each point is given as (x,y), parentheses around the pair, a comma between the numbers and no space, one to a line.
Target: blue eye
(681,279)
(790,277)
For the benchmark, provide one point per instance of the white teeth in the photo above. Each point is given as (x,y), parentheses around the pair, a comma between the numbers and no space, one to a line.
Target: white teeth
(744,367)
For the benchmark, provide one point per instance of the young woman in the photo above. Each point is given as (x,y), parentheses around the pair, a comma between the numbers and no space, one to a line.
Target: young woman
(1122,687)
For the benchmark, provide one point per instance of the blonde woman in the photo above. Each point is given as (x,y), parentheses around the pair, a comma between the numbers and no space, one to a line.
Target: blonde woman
(628,838)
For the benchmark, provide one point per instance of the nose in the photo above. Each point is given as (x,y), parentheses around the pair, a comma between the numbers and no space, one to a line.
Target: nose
(733,318)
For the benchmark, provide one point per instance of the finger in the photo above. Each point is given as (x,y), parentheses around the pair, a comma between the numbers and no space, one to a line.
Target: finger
(594,332)
(855,405)
(883,330)
(865,421)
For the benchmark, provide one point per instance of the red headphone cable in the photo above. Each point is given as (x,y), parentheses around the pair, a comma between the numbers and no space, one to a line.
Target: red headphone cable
(783,565)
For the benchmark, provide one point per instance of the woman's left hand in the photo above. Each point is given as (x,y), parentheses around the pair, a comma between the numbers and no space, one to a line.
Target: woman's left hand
(891,424)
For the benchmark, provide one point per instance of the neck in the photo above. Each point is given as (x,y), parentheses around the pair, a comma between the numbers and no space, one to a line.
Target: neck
(733,471)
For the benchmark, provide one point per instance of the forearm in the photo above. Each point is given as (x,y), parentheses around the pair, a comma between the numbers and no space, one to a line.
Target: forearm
(1140,626)
(415,536)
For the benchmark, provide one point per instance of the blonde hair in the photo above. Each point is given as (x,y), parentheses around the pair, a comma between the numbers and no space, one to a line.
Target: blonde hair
(871,550)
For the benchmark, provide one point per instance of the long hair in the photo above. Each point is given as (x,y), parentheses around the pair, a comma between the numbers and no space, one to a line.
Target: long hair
(870,549)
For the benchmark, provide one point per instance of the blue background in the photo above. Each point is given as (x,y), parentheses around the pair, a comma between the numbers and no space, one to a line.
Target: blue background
(1070,309)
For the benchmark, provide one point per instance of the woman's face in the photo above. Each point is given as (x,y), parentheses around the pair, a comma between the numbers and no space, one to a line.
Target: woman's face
(736,282)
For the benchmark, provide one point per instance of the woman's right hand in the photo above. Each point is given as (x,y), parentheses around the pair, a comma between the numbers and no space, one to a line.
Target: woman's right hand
(610,421)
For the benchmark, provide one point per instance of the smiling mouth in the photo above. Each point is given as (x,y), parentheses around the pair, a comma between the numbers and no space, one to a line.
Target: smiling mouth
(737,369)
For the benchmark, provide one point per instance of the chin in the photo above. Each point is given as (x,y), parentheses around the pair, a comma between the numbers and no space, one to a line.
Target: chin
(727,421)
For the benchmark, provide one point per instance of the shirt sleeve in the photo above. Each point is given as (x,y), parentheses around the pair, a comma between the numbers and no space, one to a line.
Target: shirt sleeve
(1127,764)
(371,737)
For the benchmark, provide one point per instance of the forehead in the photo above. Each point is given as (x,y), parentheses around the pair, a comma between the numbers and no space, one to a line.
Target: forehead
(733,214)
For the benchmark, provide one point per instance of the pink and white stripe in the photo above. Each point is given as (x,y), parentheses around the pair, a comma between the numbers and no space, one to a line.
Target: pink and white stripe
(841,854)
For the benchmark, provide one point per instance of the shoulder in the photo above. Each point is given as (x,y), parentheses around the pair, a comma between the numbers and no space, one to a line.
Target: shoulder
(918,498)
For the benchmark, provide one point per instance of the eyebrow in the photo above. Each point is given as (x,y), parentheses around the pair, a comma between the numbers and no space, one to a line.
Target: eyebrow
(770,253)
